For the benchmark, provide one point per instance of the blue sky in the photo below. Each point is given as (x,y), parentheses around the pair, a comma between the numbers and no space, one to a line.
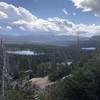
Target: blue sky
(53,9)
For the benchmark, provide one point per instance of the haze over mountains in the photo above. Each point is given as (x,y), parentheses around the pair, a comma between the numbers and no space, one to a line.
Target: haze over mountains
(52,40)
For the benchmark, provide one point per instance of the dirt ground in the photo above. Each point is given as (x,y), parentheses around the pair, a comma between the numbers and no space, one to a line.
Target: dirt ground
(41,82)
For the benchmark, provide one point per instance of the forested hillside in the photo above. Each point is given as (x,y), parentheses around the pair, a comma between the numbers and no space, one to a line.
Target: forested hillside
(73,73)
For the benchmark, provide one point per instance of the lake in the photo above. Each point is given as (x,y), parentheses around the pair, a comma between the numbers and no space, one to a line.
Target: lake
(25,52)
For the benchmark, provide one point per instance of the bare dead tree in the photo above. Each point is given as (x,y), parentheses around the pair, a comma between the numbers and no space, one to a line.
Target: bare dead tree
(3,69)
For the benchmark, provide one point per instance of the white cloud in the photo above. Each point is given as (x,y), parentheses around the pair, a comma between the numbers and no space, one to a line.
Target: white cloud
(88,5)
(3,15)
(0,27)
(16,13)
(9,27)
(22,28)
(23,19)
(87,30)
(65,11)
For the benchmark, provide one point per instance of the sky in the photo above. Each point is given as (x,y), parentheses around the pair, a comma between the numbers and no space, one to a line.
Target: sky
(55,17)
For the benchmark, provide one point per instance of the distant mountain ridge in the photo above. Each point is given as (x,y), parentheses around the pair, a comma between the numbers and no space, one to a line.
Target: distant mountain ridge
(92,42)
(42,39)
(53,40)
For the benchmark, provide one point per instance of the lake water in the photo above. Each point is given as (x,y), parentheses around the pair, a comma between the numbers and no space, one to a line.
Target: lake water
(24,52)
(89,48)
